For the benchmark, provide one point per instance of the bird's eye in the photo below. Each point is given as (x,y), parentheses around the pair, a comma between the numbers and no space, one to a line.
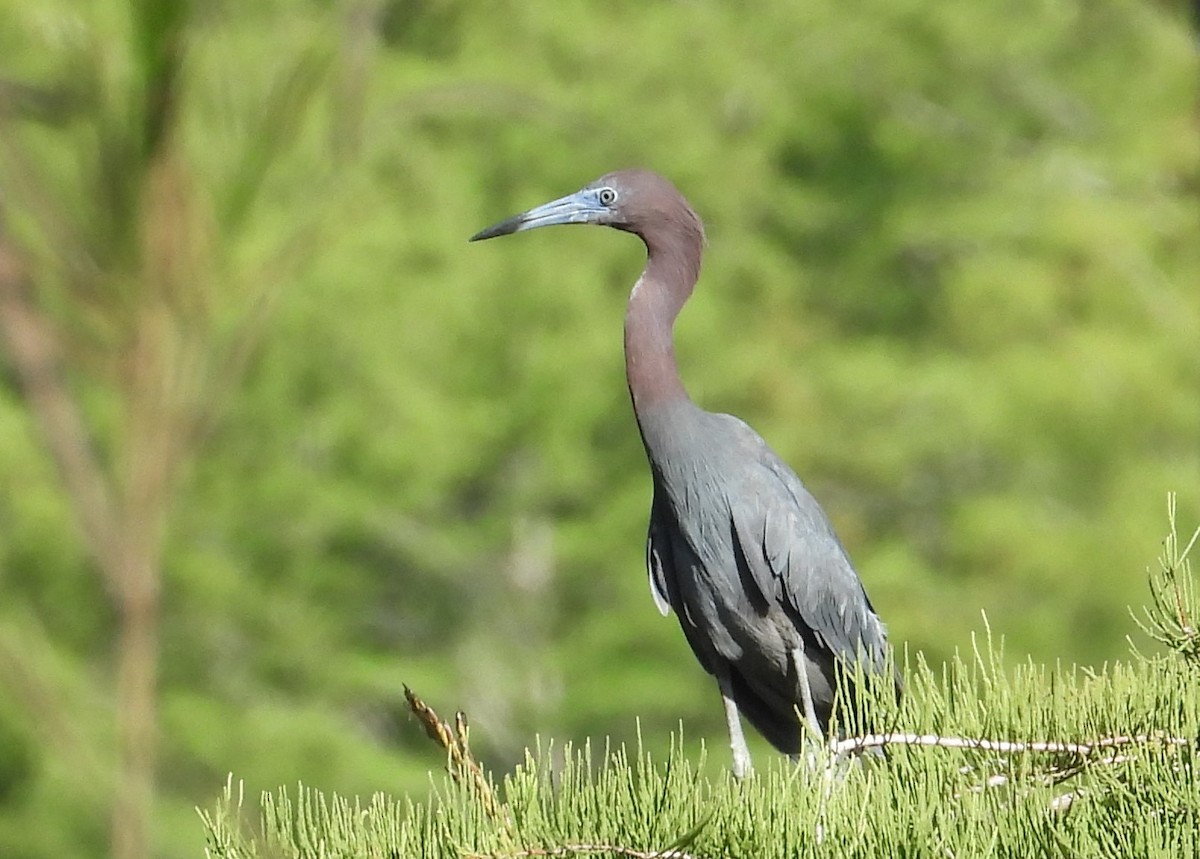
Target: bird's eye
(607,196)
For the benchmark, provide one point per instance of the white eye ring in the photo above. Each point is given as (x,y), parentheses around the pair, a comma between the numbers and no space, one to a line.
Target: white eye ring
(607,196)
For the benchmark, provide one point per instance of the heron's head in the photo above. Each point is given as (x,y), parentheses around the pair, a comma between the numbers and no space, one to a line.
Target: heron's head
(638,201)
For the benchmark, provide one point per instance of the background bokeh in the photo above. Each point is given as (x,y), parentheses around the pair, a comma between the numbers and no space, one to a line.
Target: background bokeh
(953,277)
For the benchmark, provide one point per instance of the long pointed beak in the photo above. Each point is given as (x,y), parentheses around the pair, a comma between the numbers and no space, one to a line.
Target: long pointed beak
(578,208)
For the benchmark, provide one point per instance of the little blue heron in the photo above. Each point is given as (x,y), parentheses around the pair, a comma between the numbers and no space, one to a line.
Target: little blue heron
(737,547)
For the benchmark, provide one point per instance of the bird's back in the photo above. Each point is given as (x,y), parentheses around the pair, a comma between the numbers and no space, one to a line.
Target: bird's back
(753,569)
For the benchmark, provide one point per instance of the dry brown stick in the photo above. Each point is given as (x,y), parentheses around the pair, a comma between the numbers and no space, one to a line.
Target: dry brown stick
(462,764)
(456,741)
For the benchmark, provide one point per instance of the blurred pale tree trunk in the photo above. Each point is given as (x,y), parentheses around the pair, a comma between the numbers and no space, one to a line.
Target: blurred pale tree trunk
(126,326)
(120,506)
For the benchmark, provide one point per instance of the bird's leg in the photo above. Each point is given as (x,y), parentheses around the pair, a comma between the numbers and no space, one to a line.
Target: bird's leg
(733,721)
(810,711)
(813,755)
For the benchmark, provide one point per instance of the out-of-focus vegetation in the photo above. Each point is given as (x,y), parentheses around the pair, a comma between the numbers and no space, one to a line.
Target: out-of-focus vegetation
(952,277)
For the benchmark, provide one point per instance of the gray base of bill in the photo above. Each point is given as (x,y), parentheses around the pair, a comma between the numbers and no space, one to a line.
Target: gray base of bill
(733,721)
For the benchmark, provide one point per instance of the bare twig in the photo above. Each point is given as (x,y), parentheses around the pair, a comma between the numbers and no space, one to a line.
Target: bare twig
(456,741)
(1055,775)
(462,765)
(586,850)
(852,745)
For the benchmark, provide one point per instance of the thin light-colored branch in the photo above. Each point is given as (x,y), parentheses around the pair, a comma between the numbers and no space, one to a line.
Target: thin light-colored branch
(586,850)
(852,745)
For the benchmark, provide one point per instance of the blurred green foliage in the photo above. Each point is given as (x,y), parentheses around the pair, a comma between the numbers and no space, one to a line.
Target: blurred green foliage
(952,278)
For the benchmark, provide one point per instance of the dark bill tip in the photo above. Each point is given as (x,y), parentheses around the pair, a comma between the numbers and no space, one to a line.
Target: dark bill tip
(506,227)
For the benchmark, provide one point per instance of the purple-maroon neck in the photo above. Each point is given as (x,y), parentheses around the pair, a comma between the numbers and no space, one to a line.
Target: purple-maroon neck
(672,268)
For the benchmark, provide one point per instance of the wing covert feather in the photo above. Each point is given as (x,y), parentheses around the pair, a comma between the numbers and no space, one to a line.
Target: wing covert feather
(796,561)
